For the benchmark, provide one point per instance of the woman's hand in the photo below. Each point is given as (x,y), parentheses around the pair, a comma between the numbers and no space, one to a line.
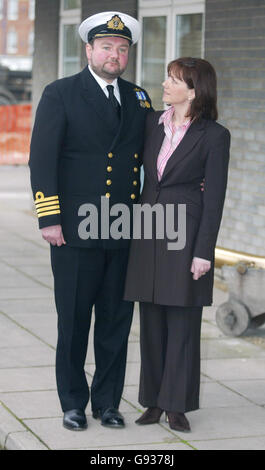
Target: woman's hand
(199,267)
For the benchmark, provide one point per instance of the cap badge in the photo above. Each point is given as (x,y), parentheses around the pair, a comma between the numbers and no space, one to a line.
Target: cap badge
(115,23)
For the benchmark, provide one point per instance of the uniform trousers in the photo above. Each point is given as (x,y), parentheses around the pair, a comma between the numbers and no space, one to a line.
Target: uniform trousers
(83,278)
(170,357)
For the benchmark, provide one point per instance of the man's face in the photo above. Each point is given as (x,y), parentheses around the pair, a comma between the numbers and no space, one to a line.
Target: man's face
(108,57)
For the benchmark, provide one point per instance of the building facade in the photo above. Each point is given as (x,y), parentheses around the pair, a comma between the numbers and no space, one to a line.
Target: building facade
(17,33)
(228,33)
(16,50)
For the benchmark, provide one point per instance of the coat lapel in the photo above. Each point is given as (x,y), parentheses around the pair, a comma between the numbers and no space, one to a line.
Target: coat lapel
(94,96)
(193,134)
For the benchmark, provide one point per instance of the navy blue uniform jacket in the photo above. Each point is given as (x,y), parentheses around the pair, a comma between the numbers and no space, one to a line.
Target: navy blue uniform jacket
(77,155)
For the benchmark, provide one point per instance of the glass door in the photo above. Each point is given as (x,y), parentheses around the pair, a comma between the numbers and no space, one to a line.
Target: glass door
(153,56)
(170,29)
(189,38)
(69,41)
(71,50)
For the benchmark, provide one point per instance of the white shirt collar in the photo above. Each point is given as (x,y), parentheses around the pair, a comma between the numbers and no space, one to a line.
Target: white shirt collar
(103,84)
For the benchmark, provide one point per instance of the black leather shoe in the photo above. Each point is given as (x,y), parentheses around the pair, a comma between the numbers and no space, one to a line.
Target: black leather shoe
(75,420)
(110,418)
(178,421)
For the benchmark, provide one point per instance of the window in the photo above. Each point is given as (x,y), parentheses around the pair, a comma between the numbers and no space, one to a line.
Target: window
(71,4)
(31,10)
(69,41)
(12,9)
(171,30)
(11,42)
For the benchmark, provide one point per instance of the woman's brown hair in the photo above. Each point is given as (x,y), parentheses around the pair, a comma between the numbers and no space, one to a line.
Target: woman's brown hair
(199,75)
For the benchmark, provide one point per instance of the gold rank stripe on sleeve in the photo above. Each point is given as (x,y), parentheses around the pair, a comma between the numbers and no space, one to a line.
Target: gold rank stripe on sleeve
(43,209)
(46,205)
(49,213)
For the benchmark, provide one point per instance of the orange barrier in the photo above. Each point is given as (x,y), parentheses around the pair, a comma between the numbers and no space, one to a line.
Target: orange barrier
(15,132)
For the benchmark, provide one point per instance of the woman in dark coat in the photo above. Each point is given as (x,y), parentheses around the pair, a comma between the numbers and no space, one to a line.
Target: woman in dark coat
(184,146)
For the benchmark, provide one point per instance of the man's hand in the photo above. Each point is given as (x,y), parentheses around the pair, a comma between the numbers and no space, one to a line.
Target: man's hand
(199,267)
(53,235)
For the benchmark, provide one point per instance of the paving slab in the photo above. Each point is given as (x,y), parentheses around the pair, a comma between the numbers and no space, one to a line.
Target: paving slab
(35,306)
(37,271)
(51,432)
(42,325)
(37,291)
(12,335)
(234,369)
(24,440)
(171,447)
(215,395)
(32,404)
(253,390)
(8,423)
(27,356)
(46,281)
(15,279)
(229,348)
(27,379)
(210,331)
(20,261)
(244,443)
(225,422)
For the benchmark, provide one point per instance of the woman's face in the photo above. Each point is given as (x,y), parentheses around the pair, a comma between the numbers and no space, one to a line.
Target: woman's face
(176,91)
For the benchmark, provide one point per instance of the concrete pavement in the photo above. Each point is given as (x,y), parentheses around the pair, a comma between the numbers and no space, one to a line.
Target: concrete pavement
(232,413)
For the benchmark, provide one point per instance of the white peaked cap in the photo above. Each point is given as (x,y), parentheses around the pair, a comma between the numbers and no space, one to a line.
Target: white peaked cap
(110,23)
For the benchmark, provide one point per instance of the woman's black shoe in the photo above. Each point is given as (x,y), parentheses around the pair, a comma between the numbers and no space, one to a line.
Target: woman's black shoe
(150,416)
(178,421)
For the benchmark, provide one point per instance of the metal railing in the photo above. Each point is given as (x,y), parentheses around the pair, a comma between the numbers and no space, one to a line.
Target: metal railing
(224,256)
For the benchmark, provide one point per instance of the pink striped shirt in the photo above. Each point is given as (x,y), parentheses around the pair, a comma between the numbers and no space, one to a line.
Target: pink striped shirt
(173,137)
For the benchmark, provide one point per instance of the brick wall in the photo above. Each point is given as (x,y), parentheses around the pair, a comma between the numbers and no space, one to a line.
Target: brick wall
(235,45)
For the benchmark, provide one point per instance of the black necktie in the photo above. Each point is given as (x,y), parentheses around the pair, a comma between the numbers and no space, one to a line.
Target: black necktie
(113,100)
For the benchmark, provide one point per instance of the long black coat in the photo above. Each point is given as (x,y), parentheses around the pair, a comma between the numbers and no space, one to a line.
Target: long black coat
(77,155)
(156,274)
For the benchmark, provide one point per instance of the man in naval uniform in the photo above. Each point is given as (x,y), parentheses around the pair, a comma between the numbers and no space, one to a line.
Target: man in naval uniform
(86,144)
